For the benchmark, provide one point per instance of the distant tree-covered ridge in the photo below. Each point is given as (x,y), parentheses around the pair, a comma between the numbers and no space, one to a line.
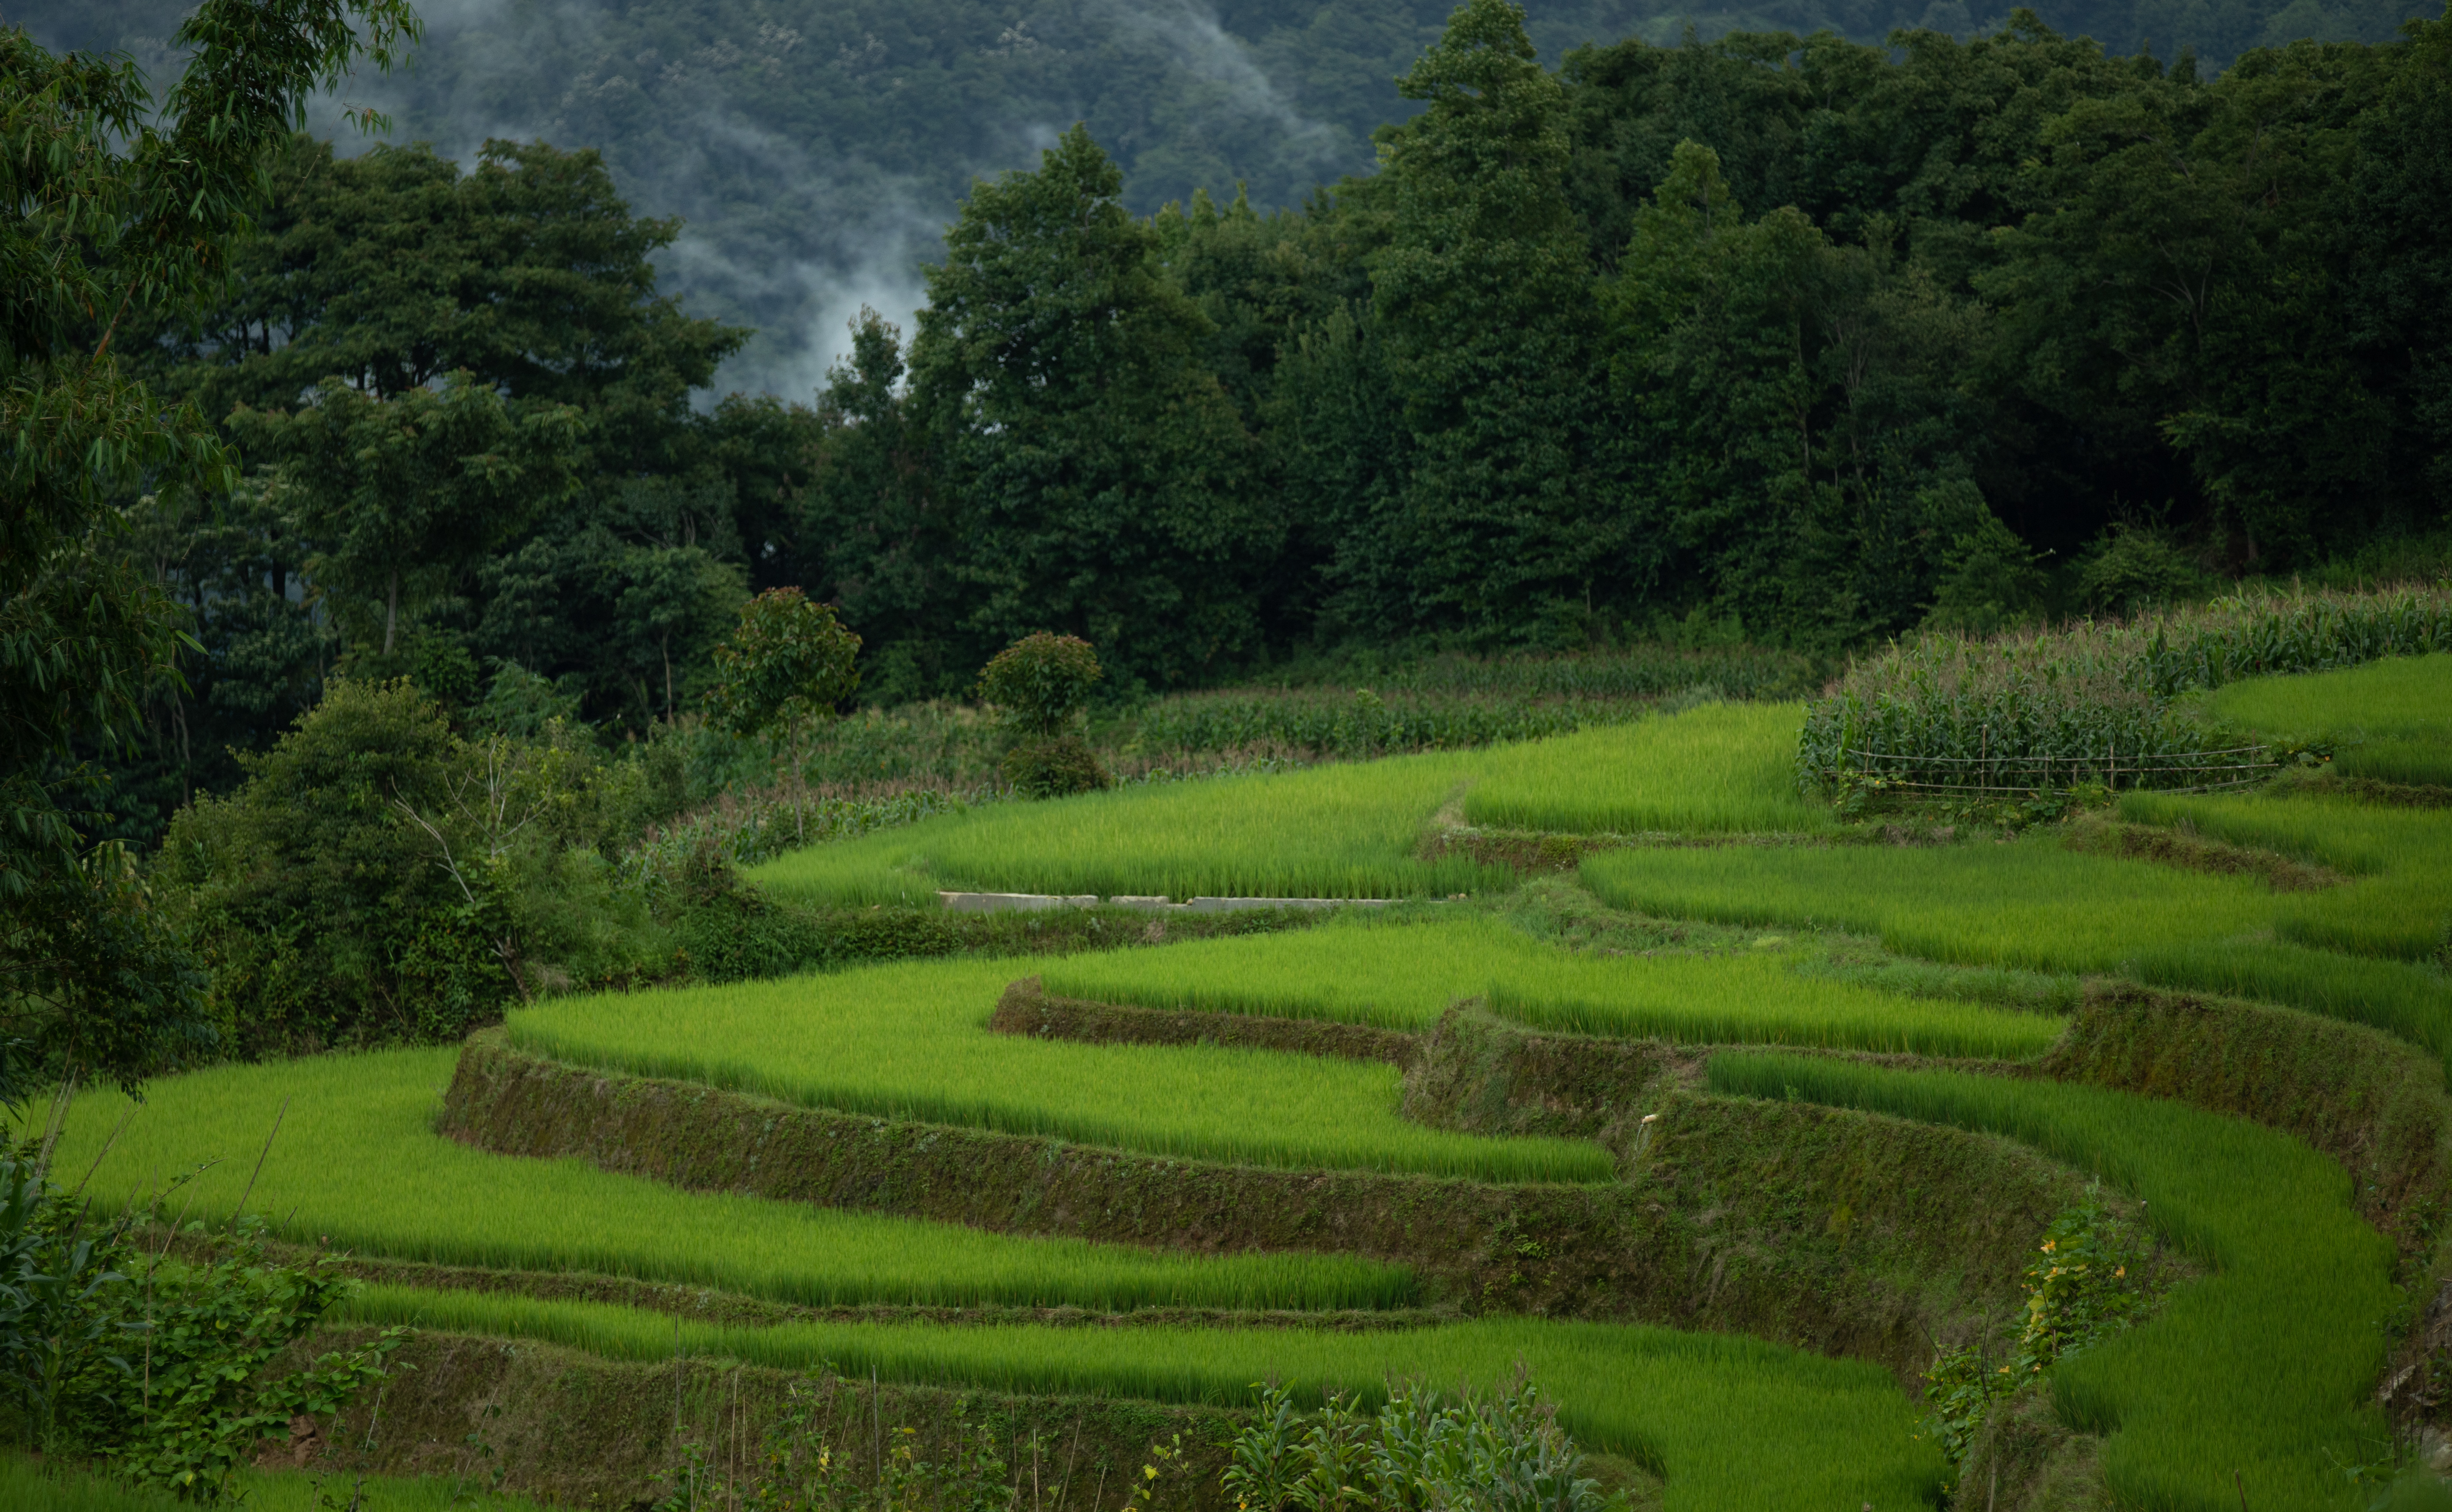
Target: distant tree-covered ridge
(818,149)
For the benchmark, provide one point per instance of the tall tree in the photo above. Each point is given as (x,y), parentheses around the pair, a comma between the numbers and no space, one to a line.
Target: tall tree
(1105,476)
(1485,305)
(119,207)
(413,486)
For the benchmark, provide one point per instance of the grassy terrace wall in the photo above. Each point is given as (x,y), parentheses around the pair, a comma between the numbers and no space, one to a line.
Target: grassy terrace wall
(579,1429)
(1856,1236)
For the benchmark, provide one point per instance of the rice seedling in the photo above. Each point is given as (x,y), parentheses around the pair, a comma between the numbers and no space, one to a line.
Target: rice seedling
(1734,1425)
(2036,904)
(2405,698)
(909,1040)
(357,1164)
(1404,975)
(2083,700)
(1716,768)
(2257,1370)
(2401,906)
(1327,831)
(26,1485)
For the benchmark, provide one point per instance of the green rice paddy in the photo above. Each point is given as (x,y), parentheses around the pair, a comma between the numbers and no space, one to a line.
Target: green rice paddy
(1717,768)
(357,1164)
(1325,832)
(1405,976)
(28,1486)
(1734,1424)
(1344,831)
(2400,904)
(2389,719)
(910,1040)
(2036,904)
(2261,1369)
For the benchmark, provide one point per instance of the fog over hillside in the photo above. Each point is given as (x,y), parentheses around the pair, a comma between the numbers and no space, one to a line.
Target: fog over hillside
(816,148)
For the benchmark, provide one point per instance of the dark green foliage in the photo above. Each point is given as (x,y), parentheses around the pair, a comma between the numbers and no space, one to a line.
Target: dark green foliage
(1484,318)
(1041,682)
(413,486)
(1106,477)
(1053,767)
(379,879)
(789,662)
(160,1367)
(119,205)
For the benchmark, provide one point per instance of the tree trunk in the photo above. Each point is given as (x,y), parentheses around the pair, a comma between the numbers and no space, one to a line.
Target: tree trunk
(800,830)
(392,609)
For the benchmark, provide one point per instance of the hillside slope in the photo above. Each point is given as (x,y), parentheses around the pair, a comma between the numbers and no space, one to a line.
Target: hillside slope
(816,150)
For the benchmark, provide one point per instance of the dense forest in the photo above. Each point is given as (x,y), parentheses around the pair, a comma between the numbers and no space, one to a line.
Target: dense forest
(816,150)
(1800,341)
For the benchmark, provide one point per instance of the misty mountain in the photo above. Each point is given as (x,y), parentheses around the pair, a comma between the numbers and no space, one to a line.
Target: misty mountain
(818,147)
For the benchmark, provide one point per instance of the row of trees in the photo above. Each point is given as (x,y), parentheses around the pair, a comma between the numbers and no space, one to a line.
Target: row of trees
(1800,338)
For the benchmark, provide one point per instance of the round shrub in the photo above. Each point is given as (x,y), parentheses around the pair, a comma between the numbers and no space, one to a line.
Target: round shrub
(1050,768)
(1039,680)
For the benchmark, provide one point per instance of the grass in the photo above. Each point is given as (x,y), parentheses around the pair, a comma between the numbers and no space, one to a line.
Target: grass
(2390,719)
(26,1487)
(357,1164)
(1348,831)
(1328,832)
(909,1040)
(2261,1367)
(1404,975)
(2037,905)
(2400,907)
(1716,768)
(1734,1424)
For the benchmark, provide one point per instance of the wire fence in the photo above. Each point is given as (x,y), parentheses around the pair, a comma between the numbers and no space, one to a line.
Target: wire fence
(2168,770)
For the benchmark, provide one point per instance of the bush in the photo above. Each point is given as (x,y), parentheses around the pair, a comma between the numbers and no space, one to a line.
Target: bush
(380,879)
(76,1299)
(1501,1451)
(1041,682)
(1052,768)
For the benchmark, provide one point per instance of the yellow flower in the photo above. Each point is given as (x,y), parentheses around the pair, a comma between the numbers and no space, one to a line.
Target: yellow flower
(2122,1271)
(2049,1244)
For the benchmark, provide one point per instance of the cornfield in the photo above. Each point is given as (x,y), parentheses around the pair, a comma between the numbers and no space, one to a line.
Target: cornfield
(2096,702)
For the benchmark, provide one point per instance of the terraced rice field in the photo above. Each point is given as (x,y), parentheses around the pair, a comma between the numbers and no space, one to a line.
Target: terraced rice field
(2253,1384)
(2037,904)
(910,1041)
(1347,831)
(357,1163)
(2258,1370)
(2390,721)
(1405,976)
(1714,769)
(1694,1406)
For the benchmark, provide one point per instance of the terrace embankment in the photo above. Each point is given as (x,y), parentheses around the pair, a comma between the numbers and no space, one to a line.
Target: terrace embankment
(579,1429)
(1849,1233)
(2374,1103)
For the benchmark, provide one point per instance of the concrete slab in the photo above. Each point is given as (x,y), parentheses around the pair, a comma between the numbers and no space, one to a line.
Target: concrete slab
(1014,902)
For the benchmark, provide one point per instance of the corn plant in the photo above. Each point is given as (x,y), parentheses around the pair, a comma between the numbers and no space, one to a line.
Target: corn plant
(2093,703)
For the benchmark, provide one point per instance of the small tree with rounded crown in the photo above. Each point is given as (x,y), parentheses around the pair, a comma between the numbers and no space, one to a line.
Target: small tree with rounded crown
(1039,682)
(789,662)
